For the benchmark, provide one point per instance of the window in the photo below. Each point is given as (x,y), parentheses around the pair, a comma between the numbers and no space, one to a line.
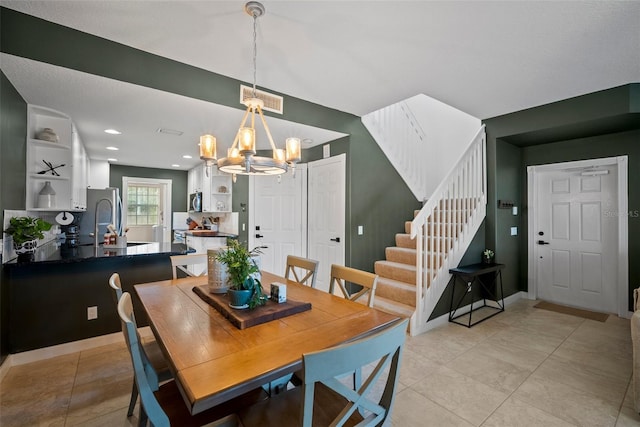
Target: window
(143,204)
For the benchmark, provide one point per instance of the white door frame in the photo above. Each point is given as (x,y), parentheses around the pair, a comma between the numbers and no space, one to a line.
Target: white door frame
(623,223)
(166,202)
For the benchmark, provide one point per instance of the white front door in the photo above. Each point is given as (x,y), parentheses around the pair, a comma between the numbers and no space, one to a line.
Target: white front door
(277,217)
(576,238)
(327,191)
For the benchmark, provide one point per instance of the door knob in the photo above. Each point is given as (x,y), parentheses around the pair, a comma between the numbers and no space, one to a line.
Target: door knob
(337,239)
(259,236)
(542,242)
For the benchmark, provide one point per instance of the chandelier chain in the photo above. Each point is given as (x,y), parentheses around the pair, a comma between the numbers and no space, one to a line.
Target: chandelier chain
(255,52)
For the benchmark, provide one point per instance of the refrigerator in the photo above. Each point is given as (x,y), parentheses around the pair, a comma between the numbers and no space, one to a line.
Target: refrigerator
(109,211)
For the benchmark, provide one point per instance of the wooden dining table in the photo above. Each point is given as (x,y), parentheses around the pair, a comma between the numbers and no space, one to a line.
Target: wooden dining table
(213,361)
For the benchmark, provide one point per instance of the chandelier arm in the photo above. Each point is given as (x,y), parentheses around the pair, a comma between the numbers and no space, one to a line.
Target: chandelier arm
(266,128)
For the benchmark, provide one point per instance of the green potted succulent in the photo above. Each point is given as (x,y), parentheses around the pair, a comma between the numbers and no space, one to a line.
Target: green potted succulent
(25,232)
(243,274)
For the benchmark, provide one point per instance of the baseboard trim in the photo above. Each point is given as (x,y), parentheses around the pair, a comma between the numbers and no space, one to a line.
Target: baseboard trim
(444,319)
(39,354)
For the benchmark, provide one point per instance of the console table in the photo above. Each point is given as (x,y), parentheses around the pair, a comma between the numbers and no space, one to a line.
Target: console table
(470,277)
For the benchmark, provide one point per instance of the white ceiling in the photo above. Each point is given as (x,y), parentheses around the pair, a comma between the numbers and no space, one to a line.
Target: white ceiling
(484,58)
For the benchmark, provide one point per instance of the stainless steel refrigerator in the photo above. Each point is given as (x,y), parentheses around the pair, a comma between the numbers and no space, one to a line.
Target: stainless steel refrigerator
(106,203)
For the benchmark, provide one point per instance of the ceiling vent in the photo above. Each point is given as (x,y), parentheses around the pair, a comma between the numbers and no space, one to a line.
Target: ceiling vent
(273,103)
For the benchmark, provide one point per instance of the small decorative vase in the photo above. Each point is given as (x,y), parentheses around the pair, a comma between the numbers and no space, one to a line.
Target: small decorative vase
(487,259)
(239,298)
(47,196)
(26,250)
(47,134)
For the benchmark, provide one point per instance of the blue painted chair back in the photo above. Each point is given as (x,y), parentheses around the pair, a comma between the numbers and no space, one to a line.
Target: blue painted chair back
(141,367)
(384,349)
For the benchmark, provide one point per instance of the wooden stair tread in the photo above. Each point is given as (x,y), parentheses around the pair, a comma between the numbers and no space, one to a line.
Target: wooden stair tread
(398,265)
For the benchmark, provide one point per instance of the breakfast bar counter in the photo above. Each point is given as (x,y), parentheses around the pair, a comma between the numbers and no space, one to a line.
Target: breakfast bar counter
(50,297)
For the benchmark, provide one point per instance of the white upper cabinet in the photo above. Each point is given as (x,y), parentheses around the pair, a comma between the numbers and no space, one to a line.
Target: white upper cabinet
(56,155)
(215,187)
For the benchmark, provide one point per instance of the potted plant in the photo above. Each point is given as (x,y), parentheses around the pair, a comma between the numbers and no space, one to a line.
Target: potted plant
(245,289)
(25,232)
(488,256)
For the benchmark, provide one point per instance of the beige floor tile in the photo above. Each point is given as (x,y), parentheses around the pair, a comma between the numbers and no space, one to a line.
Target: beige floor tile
(112,361)
(628,418)
(515,413)
(489,370)
(603,340)
(628,397)
(116,418)
(413,409)
(460,394)
(438,347)
(38,393)
(120,346)
(567,403)
(549,323)
(415,367)
(593,355)
(584,378)
(526,340)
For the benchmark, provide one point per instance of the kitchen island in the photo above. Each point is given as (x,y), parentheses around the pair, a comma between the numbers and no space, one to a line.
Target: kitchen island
(49,297)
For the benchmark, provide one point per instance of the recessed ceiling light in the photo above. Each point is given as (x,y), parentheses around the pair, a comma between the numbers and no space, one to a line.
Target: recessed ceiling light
(113,132)
(113,148)
(175,166)
(186,156)
(112,160)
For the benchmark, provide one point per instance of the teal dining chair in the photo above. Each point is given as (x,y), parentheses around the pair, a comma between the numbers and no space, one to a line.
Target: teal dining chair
(150,350)
(165,406)
(323,399)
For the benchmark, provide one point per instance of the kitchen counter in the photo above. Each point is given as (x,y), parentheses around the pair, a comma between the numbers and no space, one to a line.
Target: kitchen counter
(54,252)
(209,233)
(50,296)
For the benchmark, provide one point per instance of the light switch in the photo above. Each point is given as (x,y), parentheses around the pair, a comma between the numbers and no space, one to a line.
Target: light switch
(360,230)
(243,227)
(514,231)
(514,210)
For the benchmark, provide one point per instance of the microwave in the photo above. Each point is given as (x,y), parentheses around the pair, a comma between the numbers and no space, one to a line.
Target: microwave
(195,202)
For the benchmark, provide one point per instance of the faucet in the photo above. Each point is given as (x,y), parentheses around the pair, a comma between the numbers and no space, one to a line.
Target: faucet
(95,233)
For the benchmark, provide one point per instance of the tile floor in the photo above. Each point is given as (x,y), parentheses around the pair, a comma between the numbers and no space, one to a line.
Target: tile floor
(523,367)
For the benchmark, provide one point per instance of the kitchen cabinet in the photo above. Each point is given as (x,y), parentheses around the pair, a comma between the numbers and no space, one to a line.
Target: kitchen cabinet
(61,161)
(201,245)
(215,187)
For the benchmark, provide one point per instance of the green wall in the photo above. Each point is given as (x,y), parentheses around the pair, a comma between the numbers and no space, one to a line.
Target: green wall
(376,196)
(600,124)
(178,181)
(13,134)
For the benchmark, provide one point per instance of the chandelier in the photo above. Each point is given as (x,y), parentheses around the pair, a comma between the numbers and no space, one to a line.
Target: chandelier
(241,157)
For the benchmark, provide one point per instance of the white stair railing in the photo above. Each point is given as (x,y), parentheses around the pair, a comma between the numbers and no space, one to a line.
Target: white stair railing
(405,144)
(445,226)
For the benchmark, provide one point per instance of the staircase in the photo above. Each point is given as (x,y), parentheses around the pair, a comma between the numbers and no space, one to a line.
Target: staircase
(415,272)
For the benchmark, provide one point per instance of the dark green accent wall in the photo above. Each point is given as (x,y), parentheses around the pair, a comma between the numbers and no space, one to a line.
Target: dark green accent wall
(240,197)
(376,196)
(178,181)
(600,124)
(13,134)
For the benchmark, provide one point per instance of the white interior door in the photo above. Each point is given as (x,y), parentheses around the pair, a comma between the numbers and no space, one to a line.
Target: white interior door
(158,226)
(576,238)
(277,217)
(327,191)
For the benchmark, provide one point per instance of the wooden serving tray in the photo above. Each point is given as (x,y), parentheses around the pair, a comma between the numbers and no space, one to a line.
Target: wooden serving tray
(246,318)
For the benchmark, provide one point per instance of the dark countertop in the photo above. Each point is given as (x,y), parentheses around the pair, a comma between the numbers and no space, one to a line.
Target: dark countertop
(209,233)
(55,252)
